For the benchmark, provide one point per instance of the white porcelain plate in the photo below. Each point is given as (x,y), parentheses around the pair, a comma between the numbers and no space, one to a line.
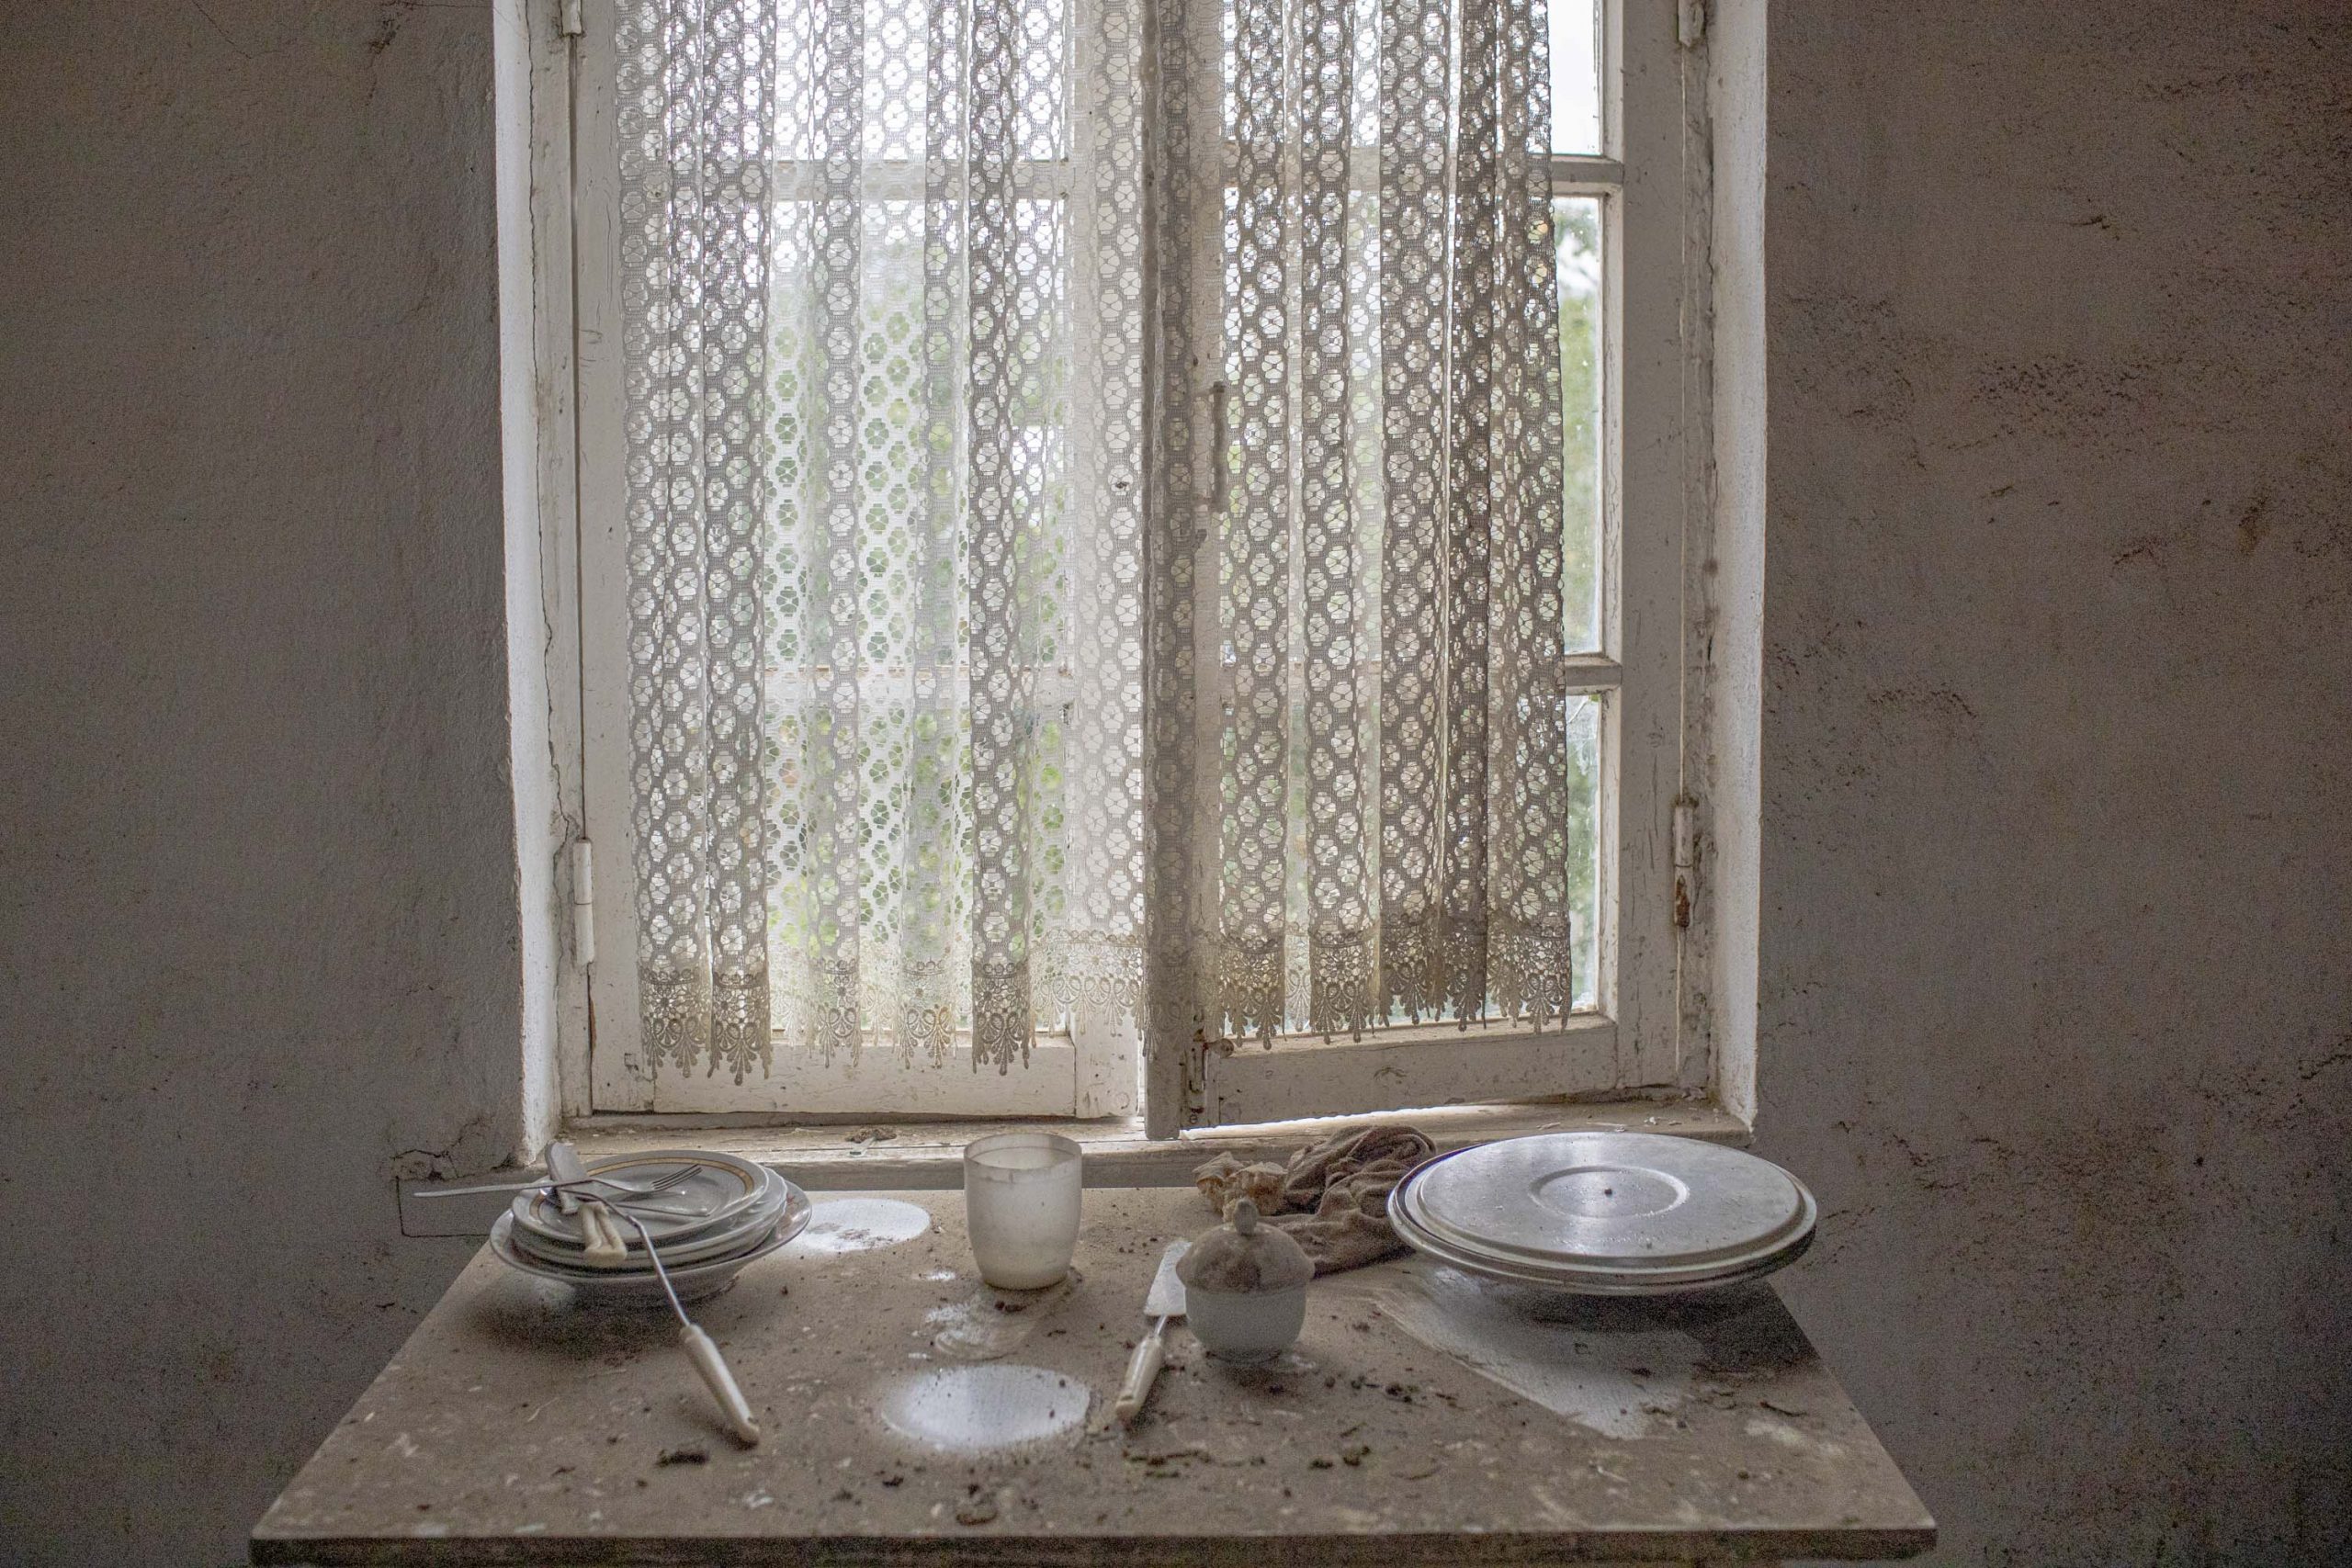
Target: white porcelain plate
(730,1235)
(716,1188)
(692,1281)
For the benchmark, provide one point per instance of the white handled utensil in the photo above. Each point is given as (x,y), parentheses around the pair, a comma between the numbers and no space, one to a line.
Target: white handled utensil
(605,1185)
(596,1227)
(599,1222)
(703,1351)
(565,1171)
(1165,1301)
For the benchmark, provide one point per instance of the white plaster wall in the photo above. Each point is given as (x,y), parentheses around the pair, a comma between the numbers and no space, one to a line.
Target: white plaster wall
(257,878)
(2057,756)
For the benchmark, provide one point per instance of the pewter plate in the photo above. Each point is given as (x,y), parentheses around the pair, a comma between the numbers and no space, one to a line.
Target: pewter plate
(1605,1208)
(1579,1282)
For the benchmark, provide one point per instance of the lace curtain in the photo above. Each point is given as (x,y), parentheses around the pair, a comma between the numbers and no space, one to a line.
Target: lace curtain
(885,620)
(952,674)
(1361,798)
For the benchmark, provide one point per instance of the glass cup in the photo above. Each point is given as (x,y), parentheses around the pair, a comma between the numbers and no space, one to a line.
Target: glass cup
(1020,1200)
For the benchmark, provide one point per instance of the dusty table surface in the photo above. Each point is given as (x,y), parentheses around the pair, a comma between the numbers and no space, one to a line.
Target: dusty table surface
(519,1427)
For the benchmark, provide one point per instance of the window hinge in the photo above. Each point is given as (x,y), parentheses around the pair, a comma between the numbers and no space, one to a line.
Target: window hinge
(583,903)
(1691,22)
(569,22)
(1196,1052)
(1686,858)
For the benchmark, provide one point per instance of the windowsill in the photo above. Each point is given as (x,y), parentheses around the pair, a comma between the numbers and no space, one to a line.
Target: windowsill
(909,1155)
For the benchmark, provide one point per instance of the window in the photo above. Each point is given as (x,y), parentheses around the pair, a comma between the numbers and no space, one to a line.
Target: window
(852,421)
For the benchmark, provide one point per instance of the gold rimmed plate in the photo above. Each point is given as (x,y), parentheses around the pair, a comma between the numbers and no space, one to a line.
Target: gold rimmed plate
(693,1280)
(730,1235)
(713,1190)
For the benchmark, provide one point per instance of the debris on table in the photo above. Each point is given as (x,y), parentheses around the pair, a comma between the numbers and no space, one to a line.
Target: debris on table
(881,1441)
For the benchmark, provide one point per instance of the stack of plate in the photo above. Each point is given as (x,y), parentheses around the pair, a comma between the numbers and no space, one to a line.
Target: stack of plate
(1605,1213)
(711,1214)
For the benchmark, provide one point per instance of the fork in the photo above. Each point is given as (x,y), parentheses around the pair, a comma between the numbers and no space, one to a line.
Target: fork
(626,1189)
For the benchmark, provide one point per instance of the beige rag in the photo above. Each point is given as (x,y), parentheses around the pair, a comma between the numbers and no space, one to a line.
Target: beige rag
(1331,1197)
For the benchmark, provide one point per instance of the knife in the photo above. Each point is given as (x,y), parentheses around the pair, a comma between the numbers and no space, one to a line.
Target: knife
(605,1244)
(1166,1301)
(564,1169)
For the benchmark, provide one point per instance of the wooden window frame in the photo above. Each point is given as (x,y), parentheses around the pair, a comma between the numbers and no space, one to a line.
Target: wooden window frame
(1636,1041)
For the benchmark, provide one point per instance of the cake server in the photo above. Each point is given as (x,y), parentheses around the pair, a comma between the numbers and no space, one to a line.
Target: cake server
(1164,1303)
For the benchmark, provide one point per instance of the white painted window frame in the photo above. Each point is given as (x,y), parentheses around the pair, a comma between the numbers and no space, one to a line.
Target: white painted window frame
(1639,1039)
(1633,1040)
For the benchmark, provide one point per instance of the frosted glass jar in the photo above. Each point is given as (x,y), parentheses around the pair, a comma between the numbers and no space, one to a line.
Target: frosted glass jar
(1020,1204)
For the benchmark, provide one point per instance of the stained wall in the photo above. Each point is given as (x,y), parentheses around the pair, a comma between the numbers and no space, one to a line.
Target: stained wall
(2055,993)
(257,873)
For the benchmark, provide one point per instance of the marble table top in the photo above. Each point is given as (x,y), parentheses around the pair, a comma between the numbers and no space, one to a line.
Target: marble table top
(1424,1417)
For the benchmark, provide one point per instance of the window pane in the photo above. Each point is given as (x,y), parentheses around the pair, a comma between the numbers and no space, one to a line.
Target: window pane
(871,374)
(1575,76)
(1584,848)
(1576,226)
(894,81)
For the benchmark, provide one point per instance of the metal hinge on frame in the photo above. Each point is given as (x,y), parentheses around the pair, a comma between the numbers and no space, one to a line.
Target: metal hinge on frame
(1689,22)
(1196,1095)
(583,903)
(1686,858)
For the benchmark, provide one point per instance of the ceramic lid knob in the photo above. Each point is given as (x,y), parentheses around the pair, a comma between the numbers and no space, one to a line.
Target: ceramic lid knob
(1245,1257)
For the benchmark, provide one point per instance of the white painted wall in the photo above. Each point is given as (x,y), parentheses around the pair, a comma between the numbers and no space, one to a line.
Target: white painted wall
(2056,816)
(257,872)
(2057,756)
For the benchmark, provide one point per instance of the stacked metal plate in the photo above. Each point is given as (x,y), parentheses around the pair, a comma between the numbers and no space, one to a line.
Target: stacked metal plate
(1605,1213)
(707,1215)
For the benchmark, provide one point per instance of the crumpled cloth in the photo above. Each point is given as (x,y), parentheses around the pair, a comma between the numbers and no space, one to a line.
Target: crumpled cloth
(1330,1197)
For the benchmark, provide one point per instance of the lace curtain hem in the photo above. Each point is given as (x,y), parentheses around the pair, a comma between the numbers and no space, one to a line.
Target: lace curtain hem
(687,1016)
